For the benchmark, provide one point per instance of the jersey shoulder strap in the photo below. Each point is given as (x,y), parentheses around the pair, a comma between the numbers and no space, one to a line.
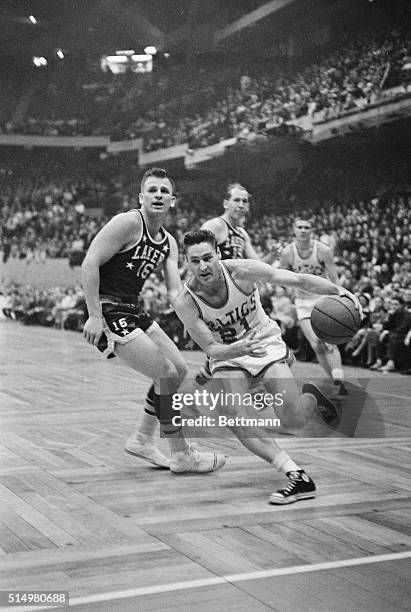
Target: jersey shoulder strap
(194,298)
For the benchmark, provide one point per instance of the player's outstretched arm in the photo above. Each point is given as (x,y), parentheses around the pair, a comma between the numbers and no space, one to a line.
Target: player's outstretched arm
(111,239)
(199,332)
(171,272)
(313,283)
(251,271)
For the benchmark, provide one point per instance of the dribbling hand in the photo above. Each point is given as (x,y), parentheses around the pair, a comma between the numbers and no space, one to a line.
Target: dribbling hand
(345,293)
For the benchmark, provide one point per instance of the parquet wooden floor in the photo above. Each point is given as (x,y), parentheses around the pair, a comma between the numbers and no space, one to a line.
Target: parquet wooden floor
(78,514)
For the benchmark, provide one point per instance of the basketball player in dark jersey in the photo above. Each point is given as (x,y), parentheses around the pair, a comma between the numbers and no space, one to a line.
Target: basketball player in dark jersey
(232,239)
(124,253)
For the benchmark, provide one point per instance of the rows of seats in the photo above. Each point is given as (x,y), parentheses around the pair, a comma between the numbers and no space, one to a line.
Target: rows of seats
(204,105)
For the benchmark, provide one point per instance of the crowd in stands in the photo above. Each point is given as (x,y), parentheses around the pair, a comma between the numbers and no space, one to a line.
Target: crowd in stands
(53,307)
(47,202)
(203,106)
(47,220)
(45,206)
(370,239)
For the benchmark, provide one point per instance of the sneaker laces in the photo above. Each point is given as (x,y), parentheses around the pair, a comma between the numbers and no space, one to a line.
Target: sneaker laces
(293,476)
(143,438)
(193,451)
(289,488)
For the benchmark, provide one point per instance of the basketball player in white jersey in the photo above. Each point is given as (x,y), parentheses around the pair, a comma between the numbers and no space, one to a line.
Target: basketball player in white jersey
(308,256)
(232,239)
(221,310)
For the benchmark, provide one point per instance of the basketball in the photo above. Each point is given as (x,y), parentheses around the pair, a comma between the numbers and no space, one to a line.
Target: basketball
(335,319)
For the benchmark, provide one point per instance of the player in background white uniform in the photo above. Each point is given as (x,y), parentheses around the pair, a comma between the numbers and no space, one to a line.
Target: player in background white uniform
(308,256)
(221,310)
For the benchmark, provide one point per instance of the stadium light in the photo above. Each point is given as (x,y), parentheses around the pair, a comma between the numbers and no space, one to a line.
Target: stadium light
(127,52)
(33,19)
(117,59)
(39,61)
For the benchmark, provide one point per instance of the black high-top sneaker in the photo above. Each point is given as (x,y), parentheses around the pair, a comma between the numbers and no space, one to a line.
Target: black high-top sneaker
(326,409)
(340,390)
(300,487)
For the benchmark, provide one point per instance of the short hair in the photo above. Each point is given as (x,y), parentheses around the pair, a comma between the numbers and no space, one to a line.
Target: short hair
(157,173)
(303,217)
(197,237)
(232,186)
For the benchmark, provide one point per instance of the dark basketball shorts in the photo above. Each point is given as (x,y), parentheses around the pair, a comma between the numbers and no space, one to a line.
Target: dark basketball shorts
(122,323)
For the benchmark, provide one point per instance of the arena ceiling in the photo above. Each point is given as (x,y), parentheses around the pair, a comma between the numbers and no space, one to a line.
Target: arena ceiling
(95,25)
(101,26)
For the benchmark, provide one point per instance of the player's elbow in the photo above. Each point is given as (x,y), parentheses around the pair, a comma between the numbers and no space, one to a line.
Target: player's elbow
(89,263)
(172,296)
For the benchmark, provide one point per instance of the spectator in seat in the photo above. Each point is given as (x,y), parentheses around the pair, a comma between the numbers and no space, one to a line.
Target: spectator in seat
(396,328)
(357,345)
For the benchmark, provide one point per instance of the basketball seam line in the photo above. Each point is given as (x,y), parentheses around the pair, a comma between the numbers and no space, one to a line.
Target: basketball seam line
(336,320)
(343,304)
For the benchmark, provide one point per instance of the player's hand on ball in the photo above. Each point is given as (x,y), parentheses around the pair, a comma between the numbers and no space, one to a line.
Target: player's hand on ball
(345,293)
(93,329)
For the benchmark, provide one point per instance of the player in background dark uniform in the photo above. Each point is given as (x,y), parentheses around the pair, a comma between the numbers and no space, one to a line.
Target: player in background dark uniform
(124,253)
(232,239)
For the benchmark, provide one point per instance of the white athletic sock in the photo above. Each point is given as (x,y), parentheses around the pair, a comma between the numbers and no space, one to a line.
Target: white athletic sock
(283,463)
(337,374)
(147,425)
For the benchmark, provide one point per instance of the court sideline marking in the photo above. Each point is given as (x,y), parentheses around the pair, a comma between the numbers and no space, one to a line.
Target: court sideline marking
(217,580)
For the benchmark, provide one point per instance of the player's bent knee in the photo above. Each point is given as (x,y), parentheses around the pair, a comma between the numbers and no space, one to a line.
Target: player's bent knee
(167,371)
(182,371)
(227,410)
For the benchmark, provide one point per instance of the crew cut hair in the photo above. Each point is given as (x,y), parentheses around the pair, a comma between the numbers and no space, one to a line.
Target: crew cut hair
(197,237)
(232,186)
(303,217)
(157,173)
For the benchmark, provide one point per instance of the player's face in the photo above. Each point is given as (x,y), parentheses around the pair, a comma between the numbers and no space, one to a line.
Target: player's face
(157,195)
(302,229)
(237,205)
(202,260)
